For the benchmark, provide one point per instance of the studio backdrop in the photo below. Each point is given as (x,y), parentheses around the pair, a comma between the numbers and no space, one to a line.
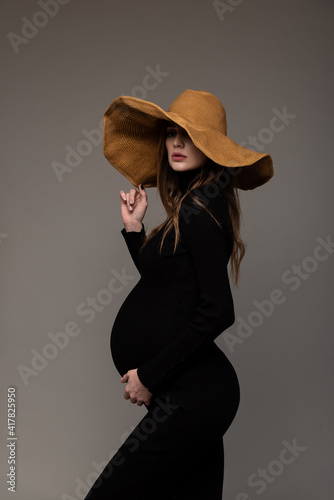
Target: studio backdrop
(65,269)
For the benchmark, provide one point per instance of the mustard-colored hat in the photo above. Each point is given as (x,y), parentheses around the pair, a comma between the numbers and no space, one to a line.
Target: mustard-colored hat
(132,129)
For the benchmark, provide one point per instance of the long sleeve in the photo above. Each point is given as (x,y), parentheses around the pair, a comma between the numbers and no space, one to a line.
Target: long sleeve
(209,247)
(134,240)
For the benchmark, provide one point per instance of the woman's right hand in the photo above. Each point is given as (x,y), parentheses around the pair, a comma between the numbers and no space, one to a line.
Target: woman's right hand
(133,208)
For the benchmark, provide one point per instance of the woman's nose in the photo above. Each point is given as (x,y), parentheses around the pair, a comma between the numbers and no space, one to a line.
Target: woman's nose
(178,140)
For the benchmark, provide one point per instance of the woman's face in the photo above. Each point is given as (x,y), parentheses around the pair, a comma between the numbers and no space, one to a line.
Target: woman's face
(182,152)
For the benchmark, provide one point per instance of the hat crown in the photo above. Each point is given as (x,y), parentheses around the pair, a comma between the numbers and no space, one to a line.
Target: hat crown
(201,108)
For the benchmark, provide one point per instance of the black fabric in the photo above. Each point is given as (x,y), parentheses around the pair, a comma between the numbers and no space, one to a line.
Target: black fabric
(166,328)
(168,456)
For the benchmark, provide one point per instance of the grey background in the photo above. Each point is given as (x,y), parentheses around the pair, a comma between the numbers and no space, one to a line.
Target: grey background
(61,240)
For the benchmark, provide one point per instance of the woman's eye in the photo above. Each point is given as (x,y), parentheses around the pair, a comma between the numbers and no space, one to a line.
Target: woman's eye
(170,133)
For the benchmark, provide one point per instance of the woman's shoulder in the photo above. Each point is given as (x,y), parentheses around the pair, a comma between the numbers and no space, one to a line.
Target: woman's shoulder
(210,197)
(212,205)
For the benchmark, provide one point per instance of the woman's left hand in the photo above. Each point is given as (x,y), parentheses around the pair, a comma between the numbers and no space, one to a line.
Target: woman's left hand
(135,390)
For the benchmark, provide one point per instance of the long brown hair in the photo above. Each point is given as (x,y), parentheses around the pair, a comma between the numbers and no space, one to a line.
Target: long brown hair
(171,197)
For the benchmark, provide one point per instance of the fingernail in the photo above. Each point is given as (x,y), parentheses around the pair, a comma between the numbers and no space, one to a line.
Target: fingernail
(141,186)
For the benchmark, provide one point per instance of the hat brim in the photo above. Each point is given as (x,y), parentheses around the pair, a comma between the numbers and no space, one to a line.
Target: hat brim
(131,135)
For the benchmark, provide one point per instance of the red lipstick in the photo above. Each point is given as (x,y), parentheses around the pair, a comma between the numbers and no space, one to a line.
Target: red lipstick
(178,156)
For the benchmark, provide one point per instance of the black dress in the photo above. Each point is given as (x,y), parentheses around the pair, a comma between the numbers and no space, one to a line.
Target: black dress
(166,328)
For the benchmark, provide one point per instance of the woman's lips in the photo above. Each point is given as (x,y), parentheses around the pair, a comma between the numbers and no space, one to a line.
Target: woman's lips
(178,157)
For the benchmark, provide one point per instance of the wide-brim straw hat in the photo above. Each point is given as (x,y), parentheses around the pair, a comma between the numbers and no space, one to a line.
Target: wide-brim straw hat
(132,131)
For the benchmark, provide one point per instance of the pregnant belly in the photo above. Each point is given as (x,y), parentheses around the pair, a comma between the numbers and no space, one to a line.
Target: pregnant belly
(143,326)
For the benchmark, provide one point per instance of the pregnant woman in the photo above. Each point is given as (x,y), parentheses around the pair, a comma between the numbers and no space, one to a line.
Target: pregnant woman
(162,341)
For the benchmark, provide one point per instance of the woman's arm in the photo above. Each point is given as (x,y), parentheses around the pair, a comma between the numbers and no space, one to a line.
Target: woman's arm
(134,240)
(133,208)
(209,248)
